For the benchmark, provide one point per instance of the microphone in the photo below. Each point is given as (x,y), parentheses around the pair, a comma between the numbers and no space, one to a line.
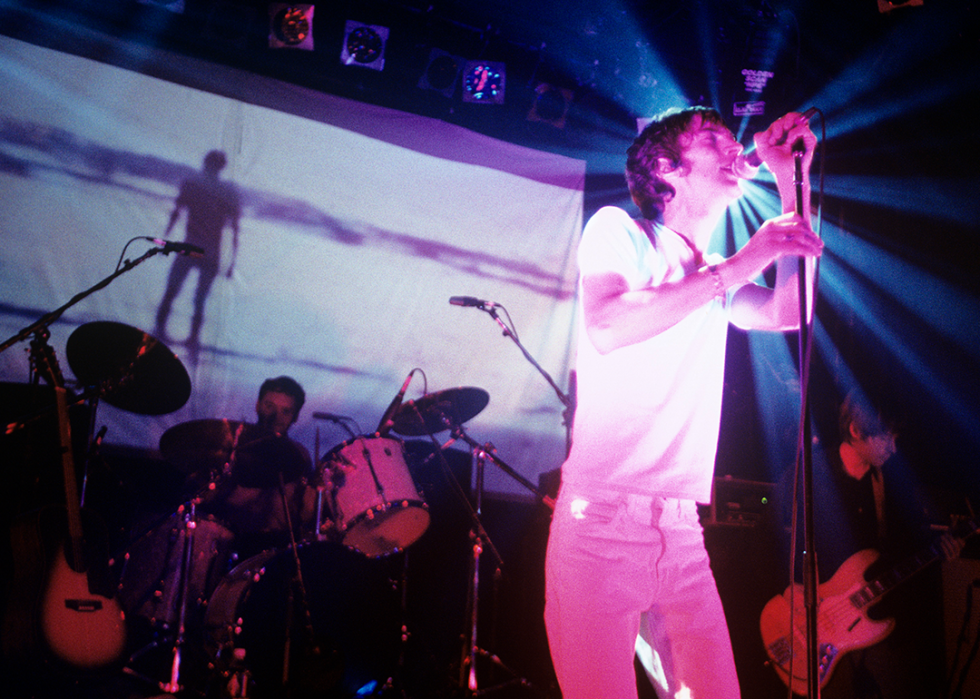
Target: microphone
(747,164)
(170,246)
(471,301)
(388,419)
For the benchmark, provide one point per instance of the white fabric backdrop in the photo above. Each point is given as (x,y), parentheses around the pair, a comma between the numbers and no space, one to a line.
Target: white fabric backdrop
(358,224)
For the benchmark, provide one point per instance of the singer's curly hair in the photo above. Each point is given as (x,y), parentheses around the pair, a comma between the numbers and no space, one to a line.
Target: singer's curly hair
(660,139)
(287,385)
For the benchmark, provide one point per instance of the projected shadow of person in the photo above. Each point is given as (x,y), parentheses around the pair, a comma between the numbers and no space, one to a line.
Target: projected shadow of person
(212,204)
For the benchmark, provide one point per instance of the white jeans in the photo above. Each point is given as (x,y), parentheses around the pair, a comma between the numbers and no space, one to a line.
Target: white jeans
(629,573)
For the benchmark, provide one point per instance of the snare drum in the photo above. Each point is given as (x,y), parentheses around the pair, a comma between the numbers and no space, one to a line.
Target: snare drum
(376,506)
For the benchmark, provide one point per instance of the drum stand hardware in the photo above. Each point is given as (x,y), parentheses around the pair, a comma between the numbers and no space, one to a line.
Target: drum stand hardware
(173,683)
(189,525)
(469,677)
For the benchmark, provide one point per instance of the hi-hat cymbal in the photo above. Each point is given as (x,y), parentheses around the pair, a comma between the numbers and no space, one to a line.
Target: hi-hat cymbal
(132,370)
(263,455)
(199,446)
(256,455)
(435,412)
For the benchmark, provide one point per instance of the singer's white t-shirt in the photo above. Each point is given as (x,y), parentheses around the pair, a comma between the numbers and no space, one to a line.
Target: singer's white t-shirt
(648,414)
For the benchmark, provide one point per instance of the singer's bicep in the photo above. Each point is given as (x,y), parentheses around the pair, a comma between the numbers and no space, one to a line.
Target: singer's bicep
(603,308)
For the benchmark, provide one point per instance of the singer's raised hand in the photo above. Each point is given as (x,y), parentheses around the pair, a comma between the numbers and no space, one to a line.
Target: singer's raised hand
(775,144)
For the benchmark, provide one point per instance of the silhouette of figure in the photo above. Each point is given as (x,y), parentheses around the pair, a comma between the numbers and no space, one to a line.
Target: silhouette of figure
(211,205)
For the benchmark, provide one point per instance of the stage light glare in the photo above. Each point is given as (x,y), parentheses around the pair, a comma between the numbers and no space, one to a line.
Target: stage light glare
(364,45)
(291,27)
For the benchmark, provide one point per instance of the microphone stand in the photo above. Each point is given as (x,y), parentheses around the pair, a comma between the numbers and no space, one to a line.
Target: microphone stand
(566,400)
(50,317)
(806,452)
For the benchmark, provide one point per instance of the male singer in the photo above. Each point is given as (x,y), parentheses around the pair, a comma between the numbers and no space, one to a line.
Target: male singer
(626,565)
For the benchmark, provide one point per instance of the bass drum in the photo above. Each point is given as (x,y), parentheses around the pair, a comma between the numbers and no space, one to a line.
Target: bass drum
(348,645)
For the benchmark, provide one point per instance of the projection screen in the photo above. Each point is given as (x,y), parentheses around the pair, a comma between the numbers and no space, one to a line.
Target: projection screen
(356,226)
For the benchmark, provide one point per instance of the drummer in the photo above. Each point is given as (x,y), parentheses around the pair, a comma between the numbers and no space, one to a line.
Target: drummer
(269,472)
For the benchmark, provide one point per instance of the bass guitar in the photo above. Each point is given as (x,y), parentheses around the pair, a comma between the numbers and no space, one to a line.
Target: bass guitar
(843,624)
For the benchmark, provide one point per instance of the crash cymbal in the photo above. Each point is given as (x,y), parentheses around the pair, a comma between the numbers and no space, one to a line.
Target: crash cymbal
(430,413)
(131,369)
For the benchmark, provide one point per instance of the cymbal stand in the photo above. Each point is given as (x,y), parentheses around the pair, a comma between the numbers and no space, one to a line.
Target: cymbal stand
(480,539)
(478,535)
(186,566)
(297,585)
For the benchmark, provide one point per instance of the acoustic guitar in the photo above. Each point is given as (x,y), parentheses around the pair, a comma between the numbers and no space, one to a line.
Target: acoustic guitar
(80,625)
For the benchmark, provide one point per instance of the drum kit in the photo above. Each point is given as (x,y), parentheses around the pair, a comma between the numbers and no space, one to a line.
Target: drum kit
(260,635)
(246,625)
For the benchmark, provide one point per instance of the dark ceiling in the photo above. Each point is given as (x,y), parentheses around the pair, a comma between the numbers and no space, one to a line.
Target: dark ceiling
(620,60)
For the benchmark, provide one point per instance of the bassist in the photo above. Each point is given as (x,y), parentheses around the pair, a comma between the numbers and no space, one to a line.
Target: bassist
(864,499)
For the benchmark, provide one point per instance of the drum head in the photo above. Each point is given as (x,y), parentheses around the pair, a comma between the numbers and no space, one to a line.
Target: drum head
(347,645)
(381,533)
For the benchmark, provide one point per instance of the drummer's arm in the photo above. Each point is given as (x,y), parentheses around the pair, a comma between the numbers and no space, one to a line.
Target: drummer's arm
(308,508)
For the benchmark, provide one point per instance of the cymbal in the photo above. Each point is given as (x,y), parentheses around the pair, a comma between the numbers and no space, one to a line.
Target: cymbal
(204,446)
(452,405)
(262,455)
(199,446)
(133,370)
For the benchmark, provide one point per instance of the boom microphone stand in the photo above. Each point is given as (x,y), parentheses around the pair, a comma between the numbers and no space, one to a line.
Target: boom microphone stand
(50,317)
(481,454)
(566,400)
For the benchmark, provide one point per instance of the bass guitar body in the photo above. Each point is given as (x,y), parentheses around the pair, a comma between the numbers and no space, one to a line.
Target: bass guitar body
(843,624)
